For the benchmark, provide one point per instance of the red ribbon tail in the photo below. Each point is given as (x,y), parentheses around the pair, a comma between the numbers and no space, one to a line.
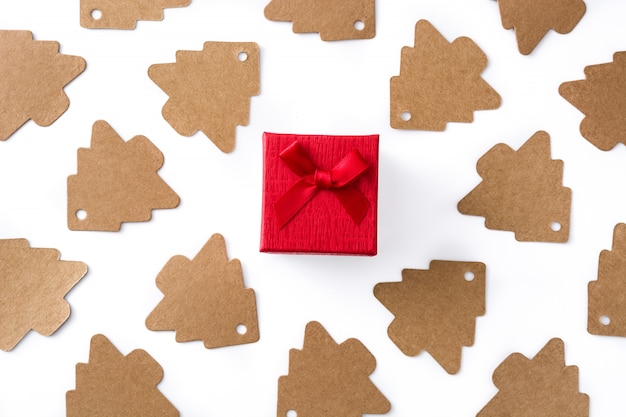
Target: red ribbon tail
(354,201)
(293,200)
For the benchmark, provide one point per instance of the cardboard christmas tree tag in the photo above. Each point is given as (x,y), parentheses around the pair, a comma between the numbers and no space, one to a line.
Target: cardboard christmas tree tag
(327,379)
(522,192)
(532,19)
(33,284)
(116,182)
(601,98)
(210,90)
(607,295)
(541,386)
(334,20)
(32,77)
(123,14)
(435,309)
(439,82)
(112,384)
(205,299)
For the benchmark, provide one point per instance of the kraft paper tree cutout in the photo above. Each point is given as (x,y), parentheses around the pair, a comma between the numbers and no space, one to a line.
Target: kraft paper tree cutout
(116,182)
(607,295)
(210,90)
(435,310)
(522,192)
(123,14)
(439,82)
(32,77)
(327,379)
(600,97)
(532,19)
(541,386)
(334,20)
(205,299)
(33,284)
(112,384)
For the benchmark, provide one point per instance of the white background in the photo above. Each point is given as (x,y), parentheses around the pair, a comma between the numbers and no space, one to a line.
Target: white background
(535,291)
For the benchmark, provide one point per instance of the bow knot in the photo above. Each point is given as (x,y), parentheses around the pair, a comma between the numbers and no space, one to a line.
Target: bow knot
(323,179)
(339,180)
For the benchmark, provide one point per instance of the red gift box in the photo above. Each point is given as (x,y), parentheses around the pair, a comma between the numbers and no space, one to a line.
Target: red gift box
(320,194)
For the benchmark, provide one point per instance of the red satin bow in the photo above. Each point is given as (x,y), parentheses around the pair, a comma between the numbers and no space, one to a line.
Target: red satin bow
(340,180)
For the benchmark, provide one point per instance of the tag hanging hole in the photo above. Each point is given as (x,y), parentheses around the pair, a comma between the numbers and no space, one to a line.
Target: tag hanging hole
(96,14)
(81,214)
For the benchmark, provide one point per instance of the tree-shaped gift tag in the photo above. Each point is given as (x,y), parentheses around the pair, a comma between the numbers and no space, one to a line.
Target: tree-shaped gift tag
(607,296)
(205,299)
(32,77)
(334,20)
(601,98)
(112,384)
(210,90)
(532,19)
(436,309)
(327,379)
(541,386)
(116,182)
(522,192)
(33,282)
(123,14)
(439,82)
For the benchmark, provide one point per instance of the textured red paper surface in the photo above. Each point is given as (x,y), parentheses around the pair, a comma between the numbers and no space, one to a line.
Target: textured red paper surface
(323,225)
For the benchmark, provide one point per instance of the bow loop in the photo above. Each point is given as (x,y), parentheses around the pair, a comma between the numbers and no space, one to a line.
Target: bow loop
(338,180)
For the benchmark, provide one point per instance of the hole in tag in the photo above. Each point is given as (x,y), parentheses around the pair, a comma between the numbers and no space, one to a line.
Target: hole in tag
(359,25)
(469,276)
(242,329)
(291,413)
(406,116)
(555,226)
(81,214)
(605,320)
(96,14)
(242,56)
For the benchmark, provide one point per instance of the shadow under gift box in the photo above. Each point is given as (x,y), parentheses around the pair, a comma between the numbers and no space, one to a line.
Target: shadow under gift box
(320,194)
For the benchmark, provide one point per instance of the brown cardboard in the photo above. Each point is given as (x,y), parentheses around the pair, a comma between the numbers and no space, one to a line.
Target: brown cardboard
(541,386)
(607,295)
(334,20)
(123,14)
(112,384)
(33,284)
(522,192)
(600,97)
(439,82)
(32,77)
(435,309)
(116,182)
(205,299)
(210,90)
(532,19)
(327,379)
